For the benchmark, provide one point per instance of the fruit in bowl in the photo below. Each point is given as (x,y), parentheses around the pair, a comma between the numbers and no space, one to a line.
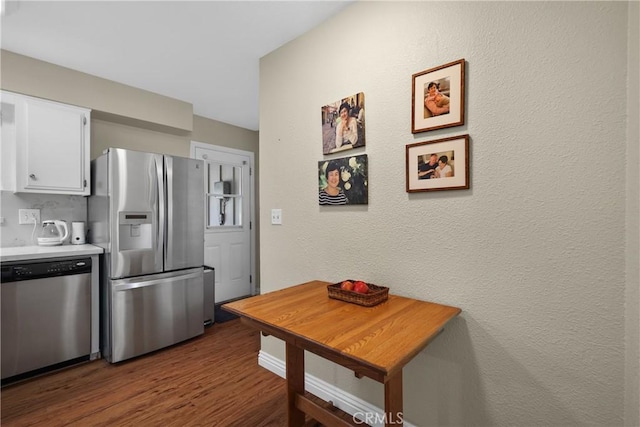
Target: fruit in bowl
(347,285)
(360,287)
(358,292)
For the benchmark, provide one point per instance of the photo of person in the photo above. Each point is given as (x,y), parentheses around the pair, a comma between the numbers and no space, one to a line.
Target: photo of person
(436,165)
(427,170)
(436,99)
(347,128)
(441,164)
(343,124)
(343,181)
(444,169)
(332,193)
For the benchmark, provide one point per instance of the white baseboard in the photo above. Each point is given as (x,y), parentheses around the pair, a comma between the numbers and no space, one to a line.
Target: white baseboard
(360,409)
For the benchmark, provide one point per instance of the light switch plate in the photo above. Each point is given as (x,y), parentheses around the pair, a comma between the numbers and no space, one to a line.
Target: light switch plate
(276,216)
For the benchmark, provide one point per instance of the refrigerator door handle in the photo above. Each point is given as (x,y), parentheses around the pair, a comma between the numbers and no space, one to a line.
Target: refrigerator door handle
(168,241)
(161,226)
(134,284)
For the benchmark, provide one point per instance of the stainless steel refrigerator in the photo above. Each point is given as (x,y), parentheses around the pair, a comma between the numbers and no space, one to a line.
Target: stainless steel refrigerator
(147,211)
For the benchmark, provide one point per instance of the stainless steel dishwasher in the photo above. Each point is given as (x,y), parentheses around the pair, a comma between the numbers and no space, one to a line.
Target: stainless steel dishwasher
(46,315)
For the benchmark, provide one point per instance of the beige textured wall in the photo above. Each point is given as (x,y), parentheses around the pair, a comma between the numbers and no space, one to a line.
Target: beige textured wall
(33,77)
(225,135)
(632,294)
(105,134)
(122,116)
(533,252)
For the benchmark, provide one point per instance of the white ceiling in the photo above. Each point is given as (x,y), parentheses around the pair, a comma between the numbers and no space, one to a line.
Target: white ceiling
(202,52)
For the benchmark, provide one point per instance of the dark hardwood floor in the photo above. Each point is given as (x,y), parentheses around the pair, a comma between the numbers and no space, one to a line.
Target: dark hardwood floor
(211,380)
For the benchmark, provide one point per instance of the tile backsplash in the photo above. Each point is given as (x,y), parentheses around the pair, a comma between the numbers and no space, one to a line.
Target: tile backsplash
(52,206)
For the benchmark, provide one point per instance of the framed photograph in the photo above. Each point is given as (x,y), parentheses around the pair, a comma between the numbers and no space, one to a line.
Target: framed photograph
(343,181)
(442,164)
(437,99)
(343,124)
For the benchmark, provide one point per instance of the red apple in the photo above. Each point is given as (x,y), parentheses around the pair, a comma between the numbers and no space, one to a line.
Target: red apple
(347,285)
(360,287)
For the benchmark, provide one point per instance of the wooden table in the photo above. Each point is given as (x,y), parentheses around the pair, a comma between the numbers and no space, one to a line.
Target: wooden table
(376,342)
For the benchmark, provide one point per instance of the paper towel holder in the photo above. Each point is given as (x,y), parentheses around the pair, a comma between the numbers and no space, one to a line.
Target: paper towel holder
(78,233)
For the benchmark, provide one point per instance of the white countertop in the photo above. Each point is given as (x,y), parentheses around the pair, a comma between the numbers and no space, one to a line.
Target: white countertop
(20,253)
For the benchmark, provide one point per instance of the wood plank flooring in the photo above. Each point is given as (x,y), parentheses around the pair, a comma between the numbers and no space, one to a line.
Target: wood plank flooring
(211,380)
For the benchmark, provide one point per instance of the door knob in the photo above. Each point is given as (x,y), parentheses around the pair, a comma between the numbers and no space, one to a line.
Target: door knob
(32,176)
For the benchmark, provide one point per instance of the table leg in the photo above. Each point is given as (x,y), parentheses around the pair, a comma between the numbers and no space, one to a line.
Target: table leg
(295,384)
(393,400)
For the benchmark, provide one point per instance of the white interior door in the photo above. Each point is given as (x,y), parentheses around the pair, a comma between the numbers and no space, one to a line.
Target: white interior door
(228,234)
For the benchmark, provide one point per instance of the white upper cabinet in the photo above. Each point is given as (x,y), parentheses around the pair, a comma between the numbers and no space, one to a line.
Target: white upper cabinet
(51,145)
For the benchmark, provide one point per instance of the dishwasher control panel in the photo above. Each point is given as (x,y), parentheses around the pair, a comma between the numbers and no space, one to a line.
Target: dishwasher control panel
(39,269)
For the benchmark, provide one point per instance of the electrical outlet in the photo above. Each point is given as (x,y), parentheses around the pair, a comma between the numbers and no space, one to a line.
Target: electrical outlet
(276,216)
(28,216)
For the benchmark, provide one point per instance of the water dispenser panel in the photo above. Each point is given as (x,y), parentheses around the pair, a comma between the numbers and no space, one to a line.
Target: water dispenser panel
(135,230)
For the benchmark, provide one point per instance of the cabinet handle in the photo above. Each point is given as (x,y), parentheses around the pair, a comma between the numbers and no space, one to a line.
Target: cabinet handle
(32,176)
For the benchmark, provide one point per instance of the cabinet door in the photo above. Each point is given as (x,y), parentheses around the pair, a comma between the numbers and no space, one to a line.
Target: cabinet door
(53,148)
(8,145)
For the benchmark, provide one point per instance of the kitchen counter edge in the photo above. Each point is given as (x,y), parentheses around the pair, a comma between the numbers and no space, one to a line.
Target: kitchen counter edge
(20,253)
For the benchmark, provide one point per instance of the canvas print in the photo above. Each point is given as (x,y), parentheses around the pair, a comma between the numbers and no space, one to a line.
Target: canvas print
(343,124)
(442,164)
(343,181)
(438,97)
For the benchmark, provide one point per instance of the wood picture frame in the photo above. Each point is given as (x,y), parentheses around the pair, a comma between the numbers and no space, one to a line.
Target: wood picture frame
(437,97)
(450,171)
